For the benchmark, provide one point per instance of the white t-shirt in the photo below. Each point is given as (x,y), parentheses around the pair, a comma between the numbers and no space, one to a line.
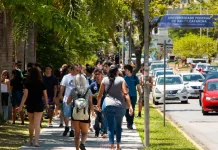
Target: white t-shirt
(69,83)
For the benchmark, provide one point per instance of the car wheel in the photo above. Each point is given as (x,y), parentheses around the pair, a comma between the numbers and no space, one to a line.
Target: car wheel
(184,102)
(204,112)
(154,102)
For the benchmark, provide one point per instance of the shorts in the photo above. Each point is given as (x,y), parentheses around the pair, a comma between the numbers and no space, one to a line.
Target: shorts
(16,98)
(35,108)
(66,109)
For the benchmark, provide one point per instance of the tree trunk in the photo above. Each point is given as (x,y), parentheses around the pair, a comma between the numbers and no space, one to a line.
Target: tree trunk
(30,52)
(20,49)
(6,44)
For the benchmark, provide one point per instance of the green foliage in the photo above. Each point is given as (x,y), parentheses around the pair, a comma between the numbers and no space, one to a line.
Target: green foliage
(194,46)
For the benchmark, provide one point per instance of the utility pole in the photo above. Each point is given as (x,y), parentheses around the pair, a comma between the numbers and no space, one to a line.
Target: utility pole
(123,52)
(200,14)
(207,28)
(164,111)
(130,39)
(146,75)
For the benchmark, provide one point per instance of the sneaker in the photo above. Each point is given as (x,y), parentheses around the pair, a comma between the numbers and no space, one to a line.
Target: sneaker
(66,131)
(61,125)
(96,135)
(71,133)
(82,147)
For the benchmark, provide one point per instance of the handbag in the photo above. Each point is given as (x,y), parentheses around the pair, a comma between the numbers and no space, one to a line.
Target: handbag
(104,105)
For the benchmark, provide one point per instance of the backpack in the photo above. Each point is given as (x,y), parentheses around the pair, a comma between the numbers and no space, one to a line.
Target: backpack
(80,108)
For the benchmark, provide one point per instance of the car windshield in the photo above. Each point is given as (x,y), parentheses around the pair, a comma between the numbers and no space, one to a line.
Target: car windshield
(169,80)
(153,66)
(198,61)
(192,77)
(213,68)
(212,86)
(202,66)
(162,73)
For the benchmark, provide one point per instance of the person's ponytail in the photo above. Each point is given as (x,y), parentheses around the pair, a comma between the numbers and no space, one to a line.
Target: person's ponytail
(112,73)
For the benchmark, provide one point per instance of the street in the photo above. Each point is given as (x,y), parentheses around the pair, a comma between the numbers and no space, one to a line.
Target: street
(202,129)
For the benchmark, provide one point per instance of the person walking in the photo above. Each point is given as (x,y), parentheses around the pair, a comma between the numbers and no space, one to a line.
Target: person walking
(51,84)
(116,102)
(5,89)
(34,90)
(81,100)
(16,86)
(67,84)
(132,82)
(100,119)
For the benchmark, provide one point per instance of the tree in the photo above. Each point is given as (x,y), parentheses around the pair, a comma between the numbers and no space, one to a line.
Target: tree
(193,46)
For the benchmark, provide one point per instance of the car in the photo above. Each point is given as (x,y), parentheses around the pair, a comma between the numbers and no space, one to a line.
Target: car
(200,67)
(159,69)
(210,68)
(193,82)
(156,65)
(210,75)
(194,62)
(175,89)
(209,97)
(154,61)
(161,72)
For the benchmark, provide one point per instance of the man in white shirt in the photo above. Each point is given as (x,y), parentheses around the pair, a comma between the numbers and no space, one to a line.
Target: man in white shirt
(67,84)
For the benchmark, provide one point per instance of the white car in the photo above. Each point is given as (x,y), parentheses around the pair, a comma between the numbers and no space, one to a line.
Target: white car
(193,82)
(199,67)
(175,89)
(161,72)
(156,65)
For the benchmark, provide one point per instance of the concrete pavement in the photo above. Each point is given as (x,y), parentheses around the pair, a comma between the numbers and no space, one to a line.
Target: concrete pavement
(52,139)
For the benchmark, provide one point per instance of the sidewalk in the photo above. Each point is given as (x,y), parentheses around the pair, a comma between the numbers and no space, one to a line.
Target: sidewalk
(52,139)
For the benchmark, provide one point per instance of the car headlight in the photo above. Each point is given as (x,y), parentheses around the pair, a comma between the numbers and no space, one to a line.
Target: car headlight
(183,90)
(209,98)
(157,91)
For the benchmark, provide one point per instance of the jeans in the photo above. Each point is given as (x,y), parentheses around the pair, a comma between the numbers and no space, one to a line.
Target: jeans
(100,119)
(113,113)
(129,118)
(5,112)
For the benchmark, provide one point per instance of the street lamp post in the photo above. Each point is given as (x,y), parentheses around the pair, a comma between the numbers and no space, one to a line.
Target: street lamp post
(146,75)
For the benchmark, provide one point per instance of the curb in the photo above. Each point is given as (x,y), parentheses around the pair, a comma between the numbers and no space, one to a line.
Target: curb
(179,129)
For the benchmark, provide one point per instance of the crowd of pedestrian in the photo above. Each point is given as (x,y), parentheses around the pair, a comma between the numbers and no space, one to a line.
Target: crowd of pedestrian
(76,94)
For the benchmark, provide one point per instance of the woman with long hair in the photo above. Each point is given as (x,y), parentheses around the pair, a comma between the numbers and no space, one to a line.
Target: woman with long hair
(115,104)
(81,125)
(33,92)
(16,86)
(5,89)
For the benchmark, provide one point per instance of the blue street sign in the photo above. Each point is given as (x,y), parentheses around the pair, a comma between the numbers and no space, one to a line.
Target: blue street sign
(187,21)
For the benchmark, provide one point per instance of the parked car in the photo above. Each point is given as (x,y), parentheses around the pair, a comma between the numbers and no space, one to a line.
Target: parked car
(210,75)
(194,62)
(159,69)
(161,72)
(150,58)
(200,67)
(209,96)
(210,69)
(156,65)
(193,82)
(154,61)
(175,89)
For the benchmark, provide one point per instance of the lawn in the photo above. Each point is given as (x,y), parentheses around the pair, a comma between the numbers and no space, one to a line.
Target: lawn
(14,136)
(162,138)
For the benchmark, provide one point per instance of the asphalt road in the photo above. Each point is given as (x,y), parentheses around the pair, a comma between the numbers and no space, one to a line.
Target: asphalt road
(202,129)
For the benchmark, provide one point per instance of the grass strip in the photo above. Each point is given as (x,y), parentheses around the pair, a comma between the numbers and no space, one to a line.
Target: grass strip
(162,138)
(14,136)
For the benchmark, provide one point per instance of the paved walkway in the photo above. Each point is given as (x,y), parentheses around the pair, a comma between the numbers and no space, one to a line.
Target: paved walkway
(52,139)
